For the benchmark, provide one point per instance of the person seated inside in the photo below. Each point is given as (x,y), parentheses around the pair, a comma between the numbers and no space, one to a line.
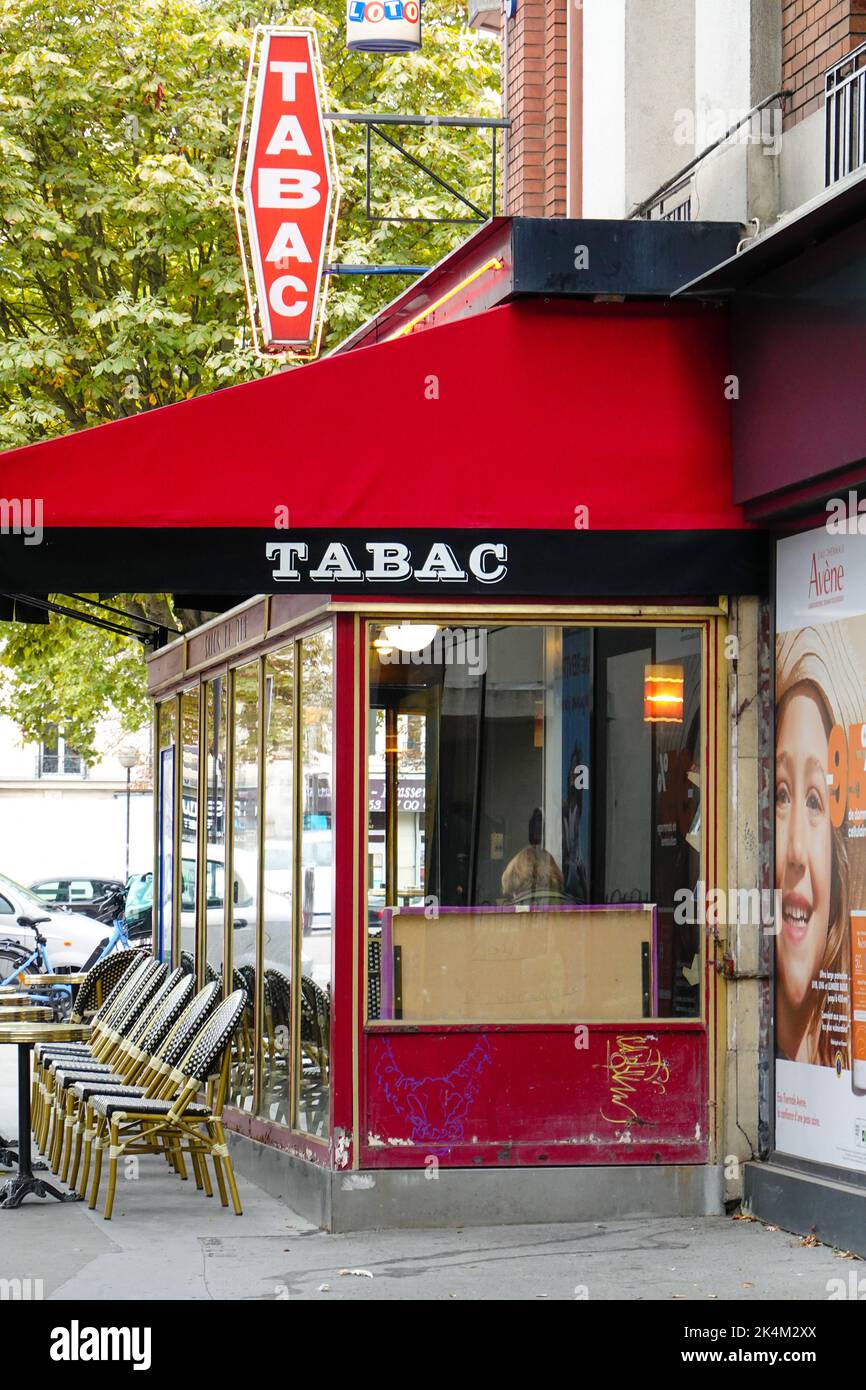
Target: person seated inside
(533,875)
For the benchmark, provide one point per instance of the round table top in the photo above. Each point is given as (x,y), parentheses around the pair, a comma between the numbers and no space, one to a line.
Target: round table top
(26,1013)
(43,1032)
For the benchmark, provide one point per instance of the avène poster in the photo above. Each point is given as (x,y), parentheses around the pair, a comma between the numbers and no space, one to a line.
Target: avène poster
(820,823)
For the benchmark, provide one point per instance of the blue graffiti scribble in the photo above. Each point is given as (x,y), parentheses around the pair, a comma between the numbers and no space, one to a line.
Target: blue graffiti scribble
(435,1106)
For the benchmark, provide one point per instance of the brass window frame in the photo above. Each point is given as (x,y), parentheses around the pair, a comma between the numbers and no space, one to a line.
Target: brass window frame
(710,620)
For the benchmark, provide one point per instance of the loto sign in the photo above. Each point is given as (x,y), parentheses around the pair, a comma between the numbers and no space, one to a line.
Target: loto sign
(286,203)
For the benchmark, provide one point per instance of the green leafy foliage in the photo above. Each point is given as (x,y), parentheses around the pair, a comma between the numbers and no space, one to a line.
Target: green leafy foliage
(120,278)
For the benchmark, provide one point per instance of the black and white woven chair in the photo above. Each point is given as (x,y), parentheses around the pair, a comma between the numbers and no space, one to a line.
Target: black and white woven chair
(179,1125)
(159,1078)
(132,1018)
(100,981)
(315,1025)
(45,1053)
(131,1057)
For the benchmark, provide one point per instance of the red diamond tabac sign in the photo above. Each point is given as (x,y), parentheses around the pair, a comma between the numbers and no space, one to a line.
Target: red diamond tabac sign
(286,201)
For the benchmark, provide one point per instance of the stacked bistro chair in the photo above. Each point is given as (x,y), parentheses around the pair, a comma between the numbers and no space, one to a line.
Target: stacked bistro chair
(128,1061)
(174,1122)
(315,1026)
(46,1052)
(138,1001)
(100,980)
(244,979)
(169,1046)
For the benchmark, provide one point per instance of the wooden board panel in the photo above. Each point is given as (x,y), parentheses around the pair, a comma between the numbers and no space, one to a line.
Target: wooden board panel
(513,965)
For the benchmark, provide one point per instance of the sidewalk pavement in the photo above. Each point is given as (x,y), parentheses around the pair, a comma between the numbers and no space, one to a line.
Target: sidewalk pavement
(167,1241)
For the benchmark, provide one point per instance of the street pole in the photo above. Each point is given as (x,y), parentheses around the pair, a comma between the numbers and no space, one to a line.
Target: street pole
(128,776)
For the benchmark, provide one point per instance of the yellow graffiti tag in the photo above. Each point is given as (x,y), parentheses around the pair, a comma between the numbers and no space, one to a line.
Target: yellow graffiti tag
(631,1064)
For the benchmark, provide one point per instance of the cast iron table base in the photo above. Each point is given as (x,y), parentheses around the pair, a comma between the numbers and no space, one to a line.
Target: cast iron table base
(13,1192)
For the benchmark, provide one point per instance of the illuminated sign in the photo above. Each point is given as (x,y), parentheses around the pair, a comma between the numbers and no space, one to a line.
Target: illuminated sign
(286,209)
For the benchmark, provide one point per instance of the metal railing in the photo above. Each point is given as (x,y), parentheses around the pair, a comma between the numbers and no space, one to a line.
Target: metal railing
(674,205)
(845,116)
(376,125)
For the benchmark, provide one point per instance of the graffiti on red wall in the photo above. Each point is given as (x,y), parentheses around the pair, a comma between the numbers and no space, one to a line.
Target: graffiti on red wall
(633,1067)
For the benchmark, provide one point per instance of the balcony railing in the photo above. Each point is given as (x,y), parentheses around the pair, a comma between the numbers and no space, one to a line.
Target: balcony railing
(674,205)
(845,116)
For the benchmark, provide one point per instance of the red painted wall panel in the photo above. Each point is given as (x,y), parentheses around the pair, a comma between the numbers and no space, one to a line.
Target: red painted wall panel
(505,1096)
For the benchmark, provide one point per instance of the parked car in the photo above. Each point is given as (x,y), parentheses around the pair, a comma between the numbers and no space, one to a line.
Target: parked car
(76,894)
(139,905)
(71,938)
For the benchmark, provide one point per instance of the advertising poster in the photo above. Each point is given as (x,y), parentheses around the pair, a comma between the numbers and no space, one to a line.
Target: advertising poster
(820,826)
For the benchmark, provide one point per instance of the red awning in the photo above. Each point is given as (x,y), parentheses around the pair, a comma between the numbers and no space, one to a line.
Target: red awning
(511,419)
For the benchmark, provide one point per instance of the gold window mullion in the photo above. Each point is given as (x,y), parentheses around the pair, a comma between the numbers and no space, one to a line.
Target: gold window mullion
(297,835)
(259,1001)
(201,842)
(229,837)
(177,833)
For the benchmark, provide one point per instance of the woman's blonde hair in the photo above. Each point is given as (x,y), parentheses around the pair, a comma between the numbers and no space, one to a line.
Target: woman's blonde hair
(532,870)
(816,661)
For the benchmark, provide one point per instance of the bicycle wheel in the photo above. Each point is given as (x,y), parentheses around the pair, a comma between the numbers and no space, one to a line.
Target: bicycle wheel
(12,959)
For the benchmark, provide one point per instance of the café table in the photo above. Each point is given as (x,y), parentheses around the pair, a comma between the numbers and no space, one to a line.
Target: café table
(23,1035)
(72,977)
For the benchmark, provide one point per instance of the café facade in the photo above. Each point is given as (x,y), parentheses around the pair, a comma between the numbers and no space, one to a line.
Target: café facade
(446,781)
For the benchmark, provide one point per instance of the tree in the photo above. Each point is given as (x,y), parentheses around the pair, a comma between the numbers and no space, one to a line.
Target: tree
(120,278)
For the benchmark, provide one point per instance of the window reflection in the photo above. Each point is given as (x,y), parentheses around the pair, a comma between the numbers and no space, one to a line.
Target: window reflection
(215,769)
(316,879)
(524,781)
(278,884)
(243,905)
(189,708)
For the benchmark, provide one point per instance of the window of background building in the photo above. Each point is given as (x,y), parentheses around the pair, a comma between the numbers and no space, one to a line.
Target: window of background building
(57,758)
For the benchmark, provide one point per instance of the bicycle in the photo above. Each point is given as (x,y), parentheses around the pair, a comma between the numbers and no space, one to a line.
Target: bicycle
(16,961)
(118,940)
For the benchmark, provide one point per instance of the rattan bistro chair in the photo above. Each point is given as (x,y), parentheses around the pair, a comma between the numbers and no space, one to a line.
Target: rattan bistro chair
(44,1053)
(158,1078)
(130,1060)
(100,980)
(180,1125)
(131,1022)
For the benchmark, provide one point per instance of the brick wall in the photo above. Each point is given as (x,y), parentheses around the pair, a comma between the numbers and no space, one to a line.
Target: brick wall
(534,80)
(815,35)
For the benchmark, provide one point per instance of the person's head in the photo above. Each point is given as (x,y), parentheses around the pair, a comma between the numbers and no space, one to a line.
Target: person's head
(532,870)
(807,848)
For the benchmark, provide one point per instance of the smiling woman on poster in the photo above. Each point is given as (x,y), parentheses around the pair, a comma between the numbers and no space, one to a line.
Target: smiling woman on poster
(817,686)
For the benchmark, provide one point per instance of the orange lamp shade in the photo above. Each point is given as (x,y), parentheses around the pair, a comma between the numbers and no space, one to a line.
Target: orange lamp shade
(663,695)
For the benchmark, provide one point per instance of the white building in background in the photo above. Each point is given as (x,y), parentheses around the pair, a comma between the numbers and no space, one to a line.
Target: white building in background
(62,817)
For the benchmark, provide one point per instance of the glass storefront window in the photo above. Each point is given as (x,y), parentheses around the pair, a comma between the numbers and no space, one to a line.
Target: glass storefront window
(189,711)
(315,905)
(215,771)
(534,822)
(279,885)
(167,741)
(245,868)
